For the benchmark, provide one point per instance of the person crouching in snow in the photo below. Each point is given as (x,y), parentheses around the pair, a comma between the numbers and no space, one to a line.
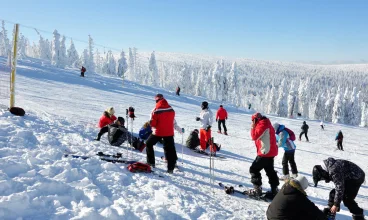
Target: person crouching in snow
(289,147)
(347,177)
(291,202)
(193,140)
(118,134)
(206,118)
(107,118)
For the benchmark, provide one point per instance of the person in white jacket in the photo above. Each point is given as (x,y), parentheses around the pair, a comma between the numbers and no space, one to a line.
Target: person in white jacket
(206,118)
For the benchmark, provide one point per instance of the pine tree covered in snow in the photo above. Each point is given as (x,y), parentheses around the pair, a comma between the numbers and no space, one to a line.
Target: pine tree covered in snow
(364,113)
(319,107)
(5,46)
(338,114)
(233,88)
(44,49)
(56,59)
(303,98)
(272,101)
(346,106)
(91,61)
(22,46)
(153,70)
(63,57)
(355,109)
(109,66)
(122,64)
(291,101)
(84,60)
(72,56)
(131,70)
(282,107)
(329,105)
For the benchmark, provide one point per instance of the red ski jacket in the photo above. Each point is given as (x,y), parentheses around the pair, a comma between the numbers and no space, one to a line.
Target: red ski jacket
(83,70)
(264,136)
(162,119)
(221,114)
(106,119)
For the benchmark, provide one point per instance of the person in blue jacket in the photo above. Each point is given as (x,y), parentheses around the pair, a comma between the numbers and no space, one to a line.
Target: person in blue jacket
(145,131)
(285,142)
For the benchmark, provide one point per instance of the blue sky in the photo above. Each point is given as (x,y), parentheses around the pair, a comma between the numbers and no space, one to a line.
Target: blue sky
(295,30)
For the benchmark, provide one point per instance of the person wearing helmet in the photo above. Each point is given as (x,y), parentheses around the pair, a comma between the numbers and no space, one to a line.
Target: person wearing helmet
(291,202)
(206,118)
(264,137)
(347,177)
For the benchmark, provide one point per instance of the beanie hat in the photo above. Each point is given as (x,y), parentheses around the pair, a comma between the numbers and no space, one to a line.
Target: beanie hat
(221,106)
(204,105)
(302,181)
(121,120)
(110,110)
(256,115)
(158,96)
(276,126)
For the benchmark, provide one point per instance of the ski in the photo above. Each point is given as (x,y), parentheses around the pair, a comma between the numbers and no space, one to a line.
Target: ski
(207,154)
(232,190)
(105,157)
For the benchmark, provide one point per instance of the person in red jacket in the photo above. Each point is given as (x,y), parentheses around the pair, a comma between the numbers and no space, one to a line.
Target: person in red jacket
(107,118)
(221,116)
(263,134)
(83,70)
(162,124)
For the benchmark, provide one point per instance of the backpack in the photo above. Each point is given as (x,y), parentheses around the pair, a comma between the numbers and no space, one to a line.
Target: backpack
(17,111)
(291,134)
(139,167)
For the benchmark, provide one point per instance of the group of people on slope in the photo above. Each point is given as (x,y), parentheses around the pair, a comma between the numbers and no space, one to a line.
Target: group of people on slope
(291,201)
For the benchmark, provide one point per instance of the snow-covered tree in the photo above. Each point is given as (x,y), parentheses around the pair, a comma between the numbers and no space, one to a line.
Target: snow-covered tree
(131,70)
(122,64)
(109,66)
(303,98)
(62,55)
(233,78)
(338,114)
(153,70)
(291,100)
(91,62)
(98,61)
(364,113)
(272,100)
(319,107)
(56,61)
(22,46)
(281,105)
(329,105)
(346,106)
(5,46)
(354,116)
(84,59)
(72,56)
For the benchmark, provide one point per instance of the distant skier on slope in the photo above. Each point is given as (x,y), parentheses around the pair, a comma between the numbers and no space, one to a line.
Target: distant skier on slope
(322,125)
(304,128)
(291,202)
(286,142)
(178,91)
(83,70)
(339,138)
(221,116)
(118,134)
(206,118)
(348,178)
(263,135)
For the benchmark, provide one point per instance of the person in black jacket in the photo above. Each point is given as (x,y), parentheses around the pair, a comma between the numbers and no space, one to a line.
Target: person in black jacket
(347,177)
(304,128)
(339,138)
(193,140)
(291,202)
(118,134)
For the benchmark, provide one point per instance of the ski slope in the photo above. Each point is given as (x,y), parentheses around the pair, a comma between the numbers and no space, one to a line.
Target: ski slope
(36,182)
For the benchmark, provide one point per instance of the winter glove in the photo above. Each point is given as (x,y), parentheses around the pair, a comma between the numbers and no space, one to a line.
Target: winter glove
(198,118)
(208,127)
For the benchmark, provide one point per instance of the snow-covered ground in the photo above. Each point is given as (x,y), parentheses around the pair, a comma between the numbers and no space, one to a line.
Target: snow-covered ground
(36,182)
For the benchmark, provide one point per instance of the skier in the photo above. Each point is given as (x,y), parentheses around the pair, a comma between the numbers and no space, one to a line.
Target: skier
(118,134)
(145,131)
(107,118)
(221,116)
(206,118)
(193,140)
(162,123)
(322,125)
(262,133)
(289,147)
(347,177)
(83,70)
(304,128)
(178,91)
(291,202)
(339,137)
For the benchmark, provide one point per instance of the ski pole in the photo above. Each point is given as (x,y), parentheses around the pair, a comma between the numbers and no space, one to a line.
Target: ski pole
(182,143)
(127,124)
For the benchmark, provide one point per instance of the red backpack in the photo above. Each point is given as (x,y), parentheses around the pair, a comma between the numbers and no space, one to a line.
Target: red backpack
(138,167)
(291,134)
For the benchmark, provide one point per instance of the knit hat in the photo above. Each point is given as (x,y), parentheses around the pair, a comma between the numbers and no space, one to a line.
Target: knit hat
(121,120)
(256,115)
(110,110)
(158,96)
(276,126)
(302,181)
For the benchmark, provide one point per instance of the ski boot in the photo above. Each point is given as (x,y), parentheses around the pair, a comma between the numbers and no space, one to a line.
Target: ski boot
(97,139)
(219,132)
(271,194)
(255,192)
(225,133)
(358,217)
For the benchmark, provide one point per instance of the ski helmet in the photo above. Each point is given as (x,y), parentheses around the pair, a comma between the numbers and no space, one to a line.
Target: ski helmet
(204,105)
(319,174)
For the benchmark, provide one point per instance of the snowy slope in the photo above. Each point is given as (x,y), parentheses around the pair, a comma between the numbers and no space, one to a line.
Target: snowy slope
(36,182)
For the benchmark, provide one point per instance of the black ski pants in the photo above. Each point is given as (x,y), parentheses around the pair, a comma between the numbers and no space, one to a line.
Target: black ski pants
(351,191)
(289,158)
(306,135)
(102,131)
(339,145)
(223,124)
(265,163)
(169,150)
(82,74)
(322,127)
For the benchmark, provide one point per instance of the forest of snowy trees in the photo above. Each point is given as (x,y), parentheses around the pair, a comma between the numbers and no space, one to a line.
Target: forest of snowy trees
(333,93)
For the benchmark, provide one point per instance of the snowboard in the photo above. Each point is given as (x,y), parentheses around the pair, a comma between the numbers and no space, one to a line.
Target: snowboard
(231,190)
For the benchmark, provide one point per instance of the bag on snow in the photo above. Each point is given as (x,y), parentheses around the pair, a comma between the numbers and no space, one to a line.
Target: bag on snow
(291,134)
(17,111)
(138,167)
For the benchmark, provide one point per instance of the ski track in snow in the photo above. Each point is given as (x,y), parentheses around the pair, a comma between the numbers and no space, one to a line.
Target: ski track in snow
(37,182)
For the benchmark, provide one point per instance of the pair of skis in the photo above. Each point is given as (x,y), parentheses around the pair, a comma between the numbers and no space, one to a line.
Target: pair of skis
(105,157)
(231,190)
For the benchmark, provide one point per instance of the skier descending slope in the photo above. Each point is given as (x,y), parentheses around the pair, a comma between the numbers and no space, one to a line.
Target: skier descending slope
(263,135)
(291,202)
(221,116)
(206,118)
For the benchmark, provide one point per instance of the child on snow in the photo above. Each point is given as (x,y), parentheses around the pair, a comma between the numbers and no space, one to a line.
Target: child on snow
(339,137)
(289,147)
(145,131)
(193,140)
